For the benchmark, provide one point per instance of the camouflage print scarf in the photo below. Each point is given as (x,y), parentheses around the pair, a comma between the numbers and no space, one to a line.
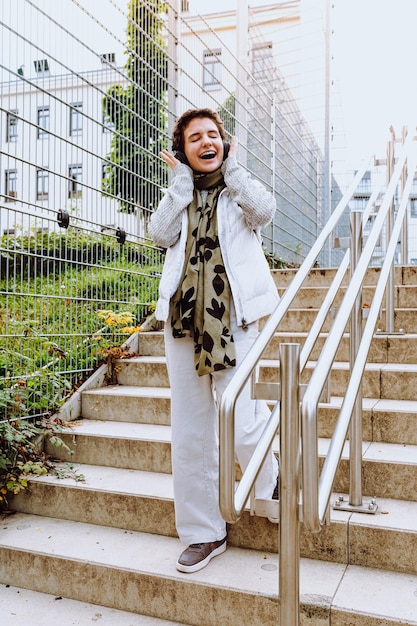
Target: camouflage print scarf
(201,304)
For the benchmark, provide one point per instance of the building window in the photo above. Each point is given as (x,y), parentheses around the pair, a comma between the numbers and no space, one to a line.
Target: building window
(358,204)
(11,128)
(74,175)
(42,185)
(41,66)
(365,184)
(262,62)
(43,122)
(212,69)
(108,58)
(413,207)
(185,6)
(10,185)
(76,119)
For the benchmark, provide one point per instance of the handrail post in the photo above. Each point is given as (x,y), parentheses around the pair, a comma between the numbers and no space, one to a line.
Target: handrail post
(289,528)
(389,294)
(355,441)
(404,228)
(355,430)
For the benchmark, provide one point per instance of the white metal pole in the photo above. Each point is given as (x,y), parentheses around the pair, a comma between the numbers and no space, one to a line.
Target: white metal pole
(242,26)
(289,526)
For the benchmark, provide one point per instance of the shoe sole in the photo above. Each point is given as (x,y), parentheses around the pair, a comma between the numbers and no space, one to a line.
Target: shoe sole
(189,569)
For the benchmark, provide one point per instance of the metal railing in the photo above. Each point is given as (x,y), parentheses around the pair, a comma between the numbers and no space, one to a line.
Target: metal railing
(84,113)
(305,496)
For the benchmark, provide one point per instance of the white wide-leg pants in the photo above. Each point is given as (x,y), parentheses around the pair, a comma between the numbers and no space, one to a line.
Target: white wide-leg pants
(195,449)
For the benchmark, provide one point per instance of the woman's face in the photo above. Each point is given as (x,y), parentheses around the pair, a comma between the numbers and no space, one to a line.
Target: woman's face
(203,145)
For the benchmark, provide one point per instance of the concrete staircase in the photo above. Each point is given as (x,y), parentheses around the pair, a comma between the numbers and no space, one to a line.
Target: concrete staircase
(106,546)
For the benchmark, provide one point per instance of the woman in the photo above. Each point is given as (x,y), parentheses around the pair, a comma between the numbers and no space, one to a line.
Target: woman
(215,286)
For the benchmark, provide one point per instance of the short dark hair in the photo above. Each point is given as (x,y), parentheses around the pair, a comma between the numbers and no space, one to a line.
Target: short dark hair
(183,121)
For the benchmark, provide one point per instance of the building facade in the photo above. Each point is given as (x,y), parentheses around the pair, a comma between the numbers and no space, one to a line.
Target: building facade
(55,140)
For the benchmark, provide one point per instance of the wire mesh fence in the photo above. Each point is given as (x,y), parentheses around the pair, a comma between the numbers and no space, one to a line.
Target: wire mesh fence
(87,100)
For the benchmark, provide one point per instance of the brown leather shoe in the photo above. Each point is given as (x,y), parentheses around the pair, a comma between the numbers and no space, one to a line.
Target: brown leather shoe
(198,555)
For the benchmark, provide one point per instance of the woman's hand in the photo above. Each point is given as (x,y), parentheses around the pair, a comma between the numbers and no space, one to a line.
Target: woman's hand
(169,159)
(233,147)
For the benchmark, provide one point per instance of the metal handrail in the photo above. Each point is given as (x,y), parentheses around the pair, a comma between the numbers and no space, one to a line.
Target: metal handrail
(316,494)
(313,507)
(233,503)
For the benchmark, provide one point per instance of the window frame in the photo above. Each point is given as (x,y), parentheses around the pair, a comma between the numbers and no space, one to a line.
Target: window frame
(10,185)
(75,183)
(42,190)
(12,126)
(212,66)
(43,129)
(413,208)
(76,119)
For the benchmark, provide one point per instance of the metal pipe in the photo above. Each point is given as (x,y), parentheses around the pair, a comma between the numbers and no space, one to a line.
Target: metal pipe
(173,45)
(389,292)
(332,291)
(242,29)
(244,371)
(289,527)
(327,178)
(232,503)
(404,229)
(336,446)
(355,442)
(319,376)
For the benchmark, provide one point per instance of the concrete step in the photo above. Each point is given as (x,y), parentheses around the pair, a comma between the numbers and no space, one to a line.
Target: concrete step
(123,444)
(403,275)
(381,380)
(143,501)
(389,421)
(384,349)
(385,421)
(135,572)
(312,297)
(151,343)
(128,403)
(390,470)
(405,296)
(23,607)
(392,381)
(301,320)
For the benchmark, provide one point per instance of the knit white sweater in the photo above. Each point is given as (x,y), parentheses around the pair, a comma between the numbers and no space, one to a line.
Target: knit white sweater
(257,204)
(243,208)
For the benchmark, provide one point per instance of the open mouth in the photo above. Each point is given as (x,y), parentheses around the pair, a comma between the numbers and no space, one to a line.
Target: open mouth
(208,155)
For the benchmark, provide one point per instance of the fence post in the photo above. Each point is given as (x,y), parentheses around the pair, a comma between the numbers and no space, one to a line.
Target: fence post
(390,288)
(404,228)
(289,528)
(355,432)
(355,444)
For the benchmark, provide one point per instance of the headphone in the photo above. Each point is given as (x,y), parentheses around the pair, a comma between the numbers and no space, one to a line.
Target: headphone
(181,156)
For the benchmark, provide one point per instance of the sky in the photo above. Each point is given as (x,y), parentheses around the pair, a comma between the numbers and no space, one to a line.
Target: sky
(374,46)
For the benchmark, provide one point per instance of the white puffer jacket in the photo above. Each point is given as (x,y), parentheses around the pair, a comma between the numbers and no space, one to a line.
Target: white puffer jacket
(243,208)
